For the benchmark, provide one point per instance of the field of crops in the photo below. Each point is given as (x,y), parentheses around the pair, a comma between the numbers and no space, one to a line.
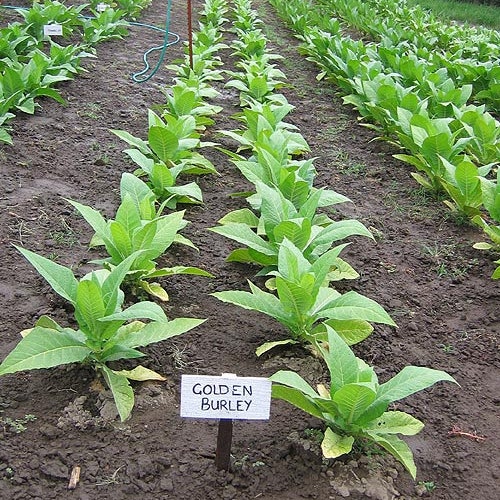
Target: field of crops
(312,198)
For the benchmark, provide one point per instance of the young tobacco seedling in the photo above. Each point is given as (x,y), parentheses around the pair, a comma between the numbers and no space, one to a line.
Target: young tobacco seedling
(139,226)
(168,152)
(355,405)
(313,234)
(305,304)
(103,333)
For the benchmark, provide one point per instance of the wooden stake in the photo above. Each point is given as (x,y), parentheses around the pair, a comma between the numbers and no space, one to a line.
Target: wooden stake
(74,478)
(224,439)
(190,33)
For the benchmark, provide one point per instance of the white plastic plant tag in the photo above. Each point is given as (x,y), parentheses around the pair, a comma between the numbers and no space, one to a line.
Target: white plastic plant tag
(101,7)
(226,397)
(52,30)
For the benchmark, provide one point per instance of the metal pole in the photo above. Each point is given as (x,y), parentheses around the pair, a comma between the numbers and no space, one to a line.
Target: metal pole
(190,33)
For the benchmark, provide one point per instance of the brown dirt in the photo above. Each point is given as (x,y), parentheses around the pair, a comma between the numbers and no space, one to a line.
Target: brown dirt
(422,269)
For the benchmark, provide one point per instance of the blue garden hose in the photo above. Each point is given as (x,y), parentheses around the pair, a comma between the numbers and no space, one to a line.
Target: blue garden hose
(136,77)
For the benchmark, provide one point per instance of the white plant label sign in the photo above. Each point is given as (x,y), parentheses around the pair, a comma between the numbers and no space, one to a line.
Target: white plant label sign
(52,30)
(225,397)
(101,7)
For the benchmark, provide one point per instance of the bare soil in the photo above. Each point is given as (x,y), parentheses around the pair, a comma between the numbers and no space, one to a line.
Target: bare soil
(422,268)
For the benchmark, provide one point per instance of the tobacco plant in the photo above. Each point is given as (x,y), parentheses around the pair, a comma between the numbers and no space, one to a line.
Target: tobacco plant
(305,304)
(139,227)
(312,233)
(356,406)
(52,12)
(168,152)
(106,331)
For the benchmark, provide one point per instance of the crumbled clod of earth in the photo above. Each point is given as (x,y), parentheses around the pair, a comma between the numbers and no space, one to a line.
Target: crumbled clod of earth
(421,268)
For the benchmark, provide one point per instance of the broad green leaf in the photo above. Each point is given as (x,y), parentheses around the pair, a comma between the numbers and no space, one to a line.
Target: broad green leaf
(60,278)
(11,82)
(334,445)
(121,240)
(128,215)
(159,331)
(140,144)
(353,399)
(163,142)
(116,352)
(168,226)
(340,230)
(396,422)
(89,306)
(296,233)
(144,310)
(293,380)
(140,159)
(142,239)
(292,265)
(111,292)
(397,448)
(352,331)
(188,193)
(171,271)
(242,216)
(341,361)
(409,380)
(322,266)
(294,298)
(245,235)
(123,393)
(44,348)
(93,218)
(466,175)
(297,399)
(353,305)
(263,302)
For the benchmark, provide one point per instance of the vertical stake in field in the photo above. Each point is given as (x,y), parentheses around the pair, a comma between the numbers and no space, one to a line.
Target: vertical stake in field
(190,33)
(224,440)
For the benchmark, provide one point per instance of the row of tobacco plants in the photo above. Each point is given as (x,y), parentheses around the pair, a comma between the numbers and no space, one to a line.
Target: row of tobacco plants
(284,231)
(32,63)
(138,235)
(431,88)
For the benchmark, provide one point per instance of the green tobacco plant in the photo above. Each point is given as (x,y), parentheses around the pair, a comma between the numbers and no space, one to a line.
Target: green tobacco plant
(139,227)
(463,185)
(491,199)
(264,120)
(52,12)
(313,234)
(105,332)
(429,140)
(256,82)
(168,152)
(305,304)
(105,25)
(355,406)
(187,98)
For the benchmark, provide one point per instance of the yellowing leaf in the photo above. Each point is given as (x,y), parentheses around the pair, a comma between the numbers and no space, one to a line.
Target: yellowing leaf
(334,446)
(140,373)
(155,289)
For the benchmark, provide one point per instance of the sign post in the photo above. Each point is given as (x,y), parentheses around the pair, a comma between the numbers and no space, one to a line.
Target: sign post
(224,440)
(226,398)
